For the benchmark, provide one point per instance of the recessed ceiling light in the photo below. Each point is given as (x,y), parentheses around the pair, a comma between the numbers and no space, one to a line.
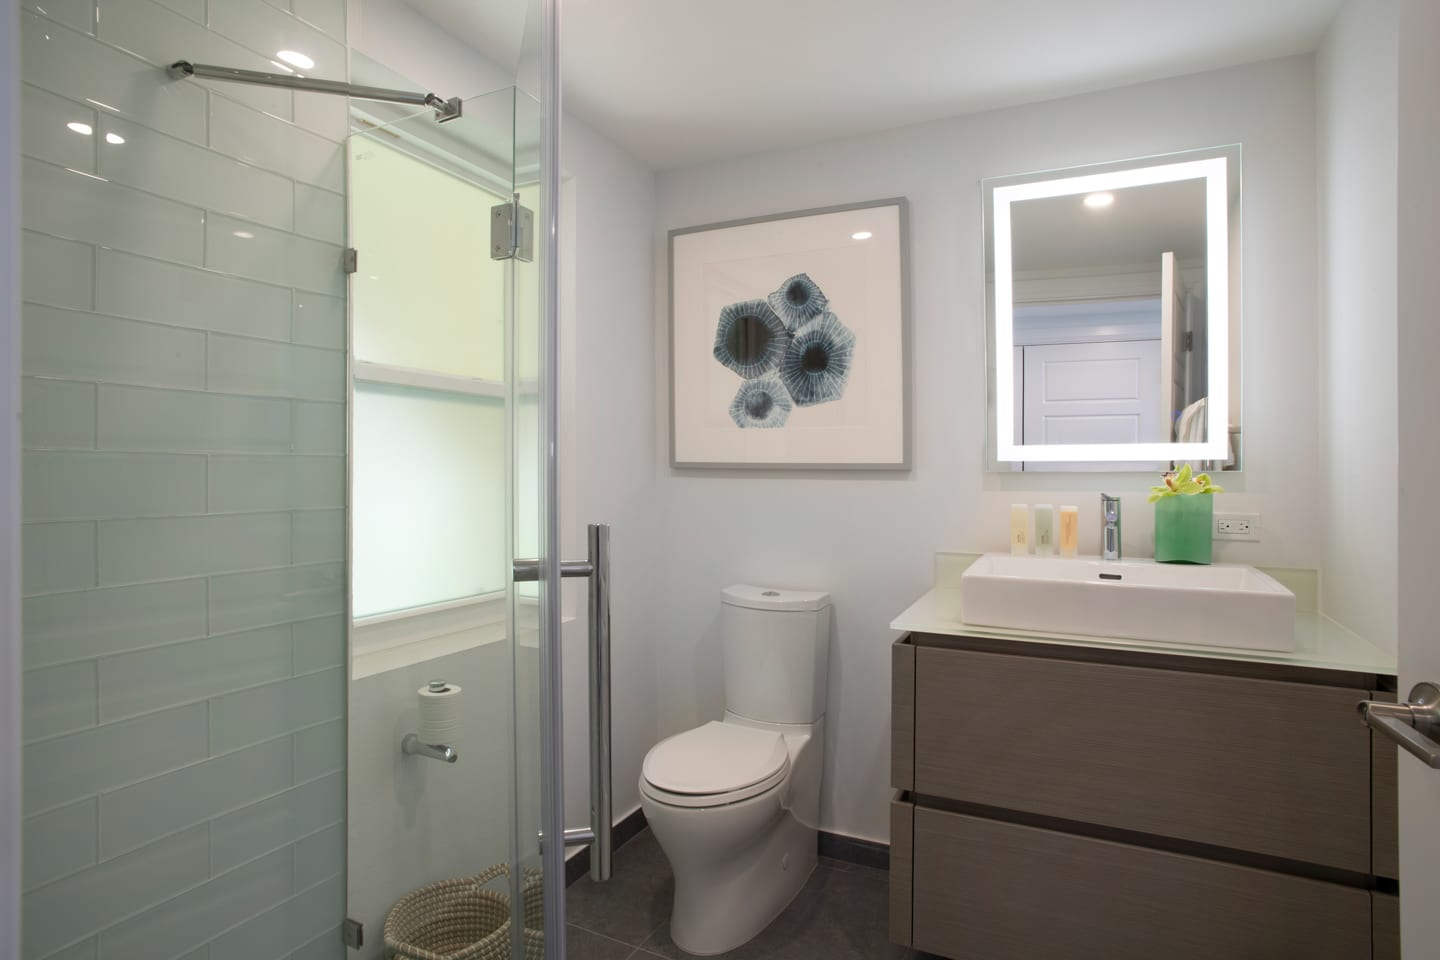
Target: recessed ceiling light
(1097,200)
(244,234)
(82,128)
(296,59)
(862,235)
(114,138)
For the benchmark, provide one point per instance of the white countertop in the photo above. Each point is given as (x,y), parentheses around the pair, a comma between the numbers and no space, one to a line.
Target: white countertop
(1320,642)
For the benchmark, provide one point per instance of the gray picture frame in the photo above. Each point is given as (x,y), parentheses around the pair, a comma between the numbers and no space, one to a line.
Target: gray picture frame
(904,464)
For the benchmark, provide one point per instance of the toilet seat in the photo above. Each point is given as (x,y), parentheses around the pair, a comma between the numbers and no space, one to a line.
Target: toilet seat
(715,764)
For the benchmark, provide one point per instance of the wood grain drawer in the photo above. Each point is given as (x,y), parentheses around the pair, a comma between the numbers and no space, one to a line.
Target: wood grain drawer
(1280,769)
(987,890)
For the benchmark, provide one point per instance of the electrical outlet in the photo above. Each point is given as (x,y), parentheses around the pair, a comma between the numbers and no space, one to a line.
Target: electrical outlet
(1237,526)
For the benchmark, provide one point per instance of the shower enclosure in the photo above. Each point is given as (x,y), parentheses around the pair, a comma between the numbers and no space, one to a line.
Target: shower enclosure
(289,413)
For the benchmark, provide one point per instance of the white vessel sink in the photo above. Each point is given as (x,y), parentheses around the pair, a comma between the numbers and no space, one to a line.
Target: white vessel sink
(1220,605)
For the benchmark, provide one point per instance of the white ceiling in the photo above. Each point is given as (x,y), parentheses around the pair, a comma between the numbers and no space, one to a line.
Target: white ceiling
(679,82)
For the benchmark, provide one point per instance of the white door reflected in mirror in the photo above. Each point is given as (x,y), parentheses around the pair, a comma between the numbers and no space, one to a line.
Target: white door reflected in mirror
(1112,306)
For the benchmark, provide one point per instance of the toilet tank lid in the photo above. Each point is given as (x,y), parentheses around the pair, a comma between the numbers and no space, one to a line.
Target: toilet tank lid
(769,598)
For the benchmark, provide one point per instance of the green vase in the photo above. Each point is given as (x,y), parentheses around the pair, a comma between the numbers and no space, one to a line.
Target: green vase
(1183,526)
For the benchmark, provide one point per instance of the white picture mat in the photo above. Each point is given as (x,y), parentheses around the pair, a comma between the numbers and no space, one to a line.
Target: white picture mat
(863,279)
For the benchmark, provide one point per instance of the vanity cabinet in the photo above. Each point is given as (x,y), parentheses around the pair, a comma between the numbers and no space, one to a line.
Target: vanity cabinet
(1078,802)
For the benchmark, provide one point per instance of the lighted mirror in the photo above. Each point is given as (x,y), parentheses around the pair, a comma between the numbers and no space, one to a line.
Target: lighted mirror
(1112,294)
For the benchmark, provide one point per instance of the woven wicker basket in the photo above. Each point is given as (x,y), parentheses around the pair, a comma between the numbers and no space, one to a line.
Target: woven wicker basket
(461,920)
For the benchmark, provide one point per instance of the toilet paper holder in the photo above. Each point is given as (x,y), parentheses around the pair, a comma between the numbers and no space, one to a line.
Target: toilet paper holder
(412,745)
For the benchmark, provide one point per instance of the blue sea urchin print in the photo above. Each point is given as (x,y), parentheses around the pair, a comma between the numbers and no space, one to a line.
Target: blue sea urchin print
(798,301)
(763,402)
(817,364)
(750,339)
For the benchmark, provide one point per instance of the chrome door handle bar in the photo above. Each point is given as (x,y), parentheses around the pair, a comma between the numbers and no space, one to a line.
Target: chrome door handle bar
(1415,724)
(597,568)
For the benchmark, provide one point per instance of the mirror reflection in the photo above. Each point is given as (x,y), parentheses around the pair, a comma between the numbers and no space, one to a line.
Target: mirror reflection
(1107,310)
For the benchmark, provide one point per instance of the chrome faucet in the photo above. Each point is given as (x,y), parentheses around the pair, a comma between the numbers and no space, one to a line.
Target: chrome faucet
(1109,527)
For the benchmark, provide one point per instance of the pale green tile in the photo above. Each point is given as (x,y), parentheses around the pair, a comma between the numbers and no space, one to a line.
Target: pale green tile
(328,15)
(59,699)
(57,272)
(58,414)
(238,719)
(133,816)
(252,831)
(65,486)
(327,116)
(276,145)
(59,843)
(84,950)
(319,428)
(319,213)
(179,673)
(77,765)
(129,286)
(161,548)
(242,600)
(275,369)
(77,67)
(192,918)
(88,346)
(58,556)
(287,927)
(330,945)
(319,535)
(319,643)
(93,623)
(273,256)
(134,418)
(193,9)
(86,902)
(259,26)
(320,320)
(79,14)
(45,132)
(79,207)
(276,483)
(319,750)
(320,856)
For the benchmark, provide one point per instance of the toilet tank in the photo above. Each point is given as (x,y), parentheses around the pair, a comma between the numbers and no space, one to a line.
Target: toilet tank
(777,653)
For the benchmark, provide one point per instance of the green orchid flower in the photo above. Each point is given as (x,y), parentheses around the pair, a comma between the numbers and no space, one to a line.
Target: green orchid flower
(1184,484)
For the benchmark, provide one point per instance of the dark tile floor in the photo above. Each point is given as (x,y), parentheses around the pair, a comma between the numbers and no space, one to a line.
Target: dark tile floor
(841,914)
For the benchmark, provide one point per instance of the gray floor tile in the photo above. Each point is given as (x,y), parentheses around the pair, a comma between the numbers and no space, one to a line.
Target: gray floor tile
(581,944)
(839,915)
(633,902)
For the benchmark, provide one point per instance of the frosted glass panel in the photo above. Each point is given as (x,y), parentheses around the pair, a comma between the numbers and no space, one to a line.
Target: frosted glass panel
(429,506)
(427,296)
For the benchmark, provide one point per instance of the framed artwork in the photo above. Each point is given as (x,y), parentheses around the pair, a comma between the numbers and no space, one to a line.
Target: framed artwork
(789,341)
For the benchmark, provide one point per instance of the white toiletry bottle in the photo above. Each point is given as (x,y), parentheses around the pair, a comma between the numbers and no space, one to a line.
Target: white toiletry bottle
(1044,530)
(1019,529)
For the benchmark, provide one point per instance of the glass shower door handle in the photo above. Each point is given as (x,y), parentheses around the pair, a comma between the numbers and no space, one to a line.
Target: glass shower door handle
(596,567)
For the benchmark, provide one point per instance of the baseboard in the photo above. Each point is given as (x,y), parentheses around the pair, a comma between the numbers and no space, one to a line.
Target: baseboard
(867,853)
(578,864)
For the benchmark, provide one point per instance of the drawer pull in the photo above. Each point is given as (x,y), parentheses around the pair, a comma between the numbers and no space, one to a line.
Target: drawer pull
(1415,725)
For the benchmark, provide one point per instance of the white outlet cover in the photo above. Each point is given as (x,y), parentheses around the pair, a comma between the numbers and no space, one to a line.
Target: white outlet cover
(1253,519)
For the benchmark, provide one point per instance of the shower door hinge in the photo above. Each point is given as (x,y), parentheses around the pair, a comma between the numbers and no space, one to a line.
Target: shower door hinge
(353,933)
(512,232)
(351,260)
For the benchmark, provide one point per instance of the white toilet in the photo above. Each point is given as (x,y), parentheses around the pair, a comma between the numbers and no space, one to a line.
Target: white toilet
(735,803)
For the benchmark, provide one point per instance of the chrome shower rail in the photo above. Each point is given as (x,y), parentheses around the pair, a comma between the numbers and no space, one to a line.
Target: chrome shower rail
(444,109)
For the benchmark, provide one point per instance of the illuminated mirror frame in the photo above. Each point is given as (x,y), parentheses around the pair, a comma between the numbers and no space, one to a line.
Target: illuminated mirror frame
(1213,170)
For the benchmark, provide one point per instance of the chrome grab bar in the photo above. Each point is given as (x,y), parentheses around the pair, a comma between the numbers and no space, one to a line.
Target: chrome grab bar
(1414,725)
(597,568)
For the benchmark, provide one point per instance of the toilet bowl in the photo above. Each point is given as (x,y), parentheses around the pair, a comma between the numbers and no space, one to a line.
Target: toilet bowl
(734,806)
(735,803)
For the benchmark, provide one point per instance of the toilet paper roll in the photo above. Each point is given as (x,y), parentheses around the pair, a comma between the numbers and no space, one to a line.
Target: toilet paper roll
(439,713)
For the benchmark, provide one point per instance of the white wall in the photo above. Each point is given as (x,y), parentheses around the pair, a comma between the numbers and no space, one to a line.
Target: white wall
(10,802)
(1356,87)
(868,539)
(1418,251)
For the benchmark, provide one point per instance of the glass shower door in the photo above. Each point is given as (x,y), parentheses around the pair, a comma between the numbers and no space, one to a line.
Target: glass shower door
(448,485)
